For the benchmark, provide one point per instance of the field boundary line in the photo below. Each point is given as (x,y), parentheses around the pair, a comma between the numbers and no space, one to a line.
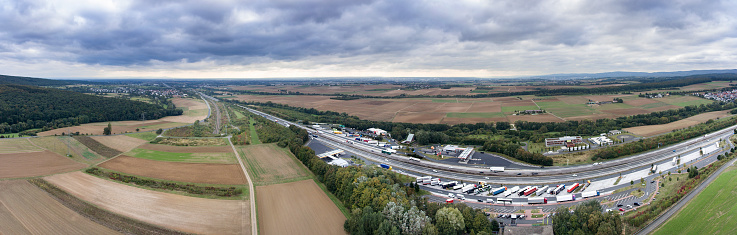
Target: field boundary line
(251,191)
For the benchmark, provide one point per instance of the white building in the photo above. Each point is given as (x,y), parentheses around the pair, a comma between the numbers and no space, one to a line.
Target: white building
(377,131)
(601,140)
(339,162)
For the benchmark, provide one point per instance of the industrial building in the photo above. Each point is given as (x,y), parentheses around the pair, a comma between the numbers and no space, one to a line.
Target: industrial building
(377,131)
(568,141)
(601,140)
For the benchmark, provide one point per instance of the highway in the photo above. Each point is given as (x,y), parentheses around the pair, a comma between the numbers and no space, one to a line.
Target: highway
(550,175)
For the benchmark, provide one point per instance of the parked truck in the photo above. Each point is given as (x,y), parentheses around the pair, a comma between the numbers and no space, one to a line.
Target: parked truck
(498,190)
(537,200)
(523,190)
(385,166)
(450,184)
(530,191)
(514,189)
(590,194)
(573,187)
(565,198)
(458,186)
(468,188)
(542,191)
(420,179)
(557,189)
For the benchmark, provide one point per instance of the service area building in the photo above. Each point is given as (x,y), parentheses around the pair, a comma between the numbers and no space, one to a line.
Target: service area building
(568,141)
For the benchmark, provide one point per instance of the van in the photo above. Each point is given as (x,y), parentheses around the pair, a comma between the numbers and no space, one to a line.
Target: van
(462,197)
(450,195)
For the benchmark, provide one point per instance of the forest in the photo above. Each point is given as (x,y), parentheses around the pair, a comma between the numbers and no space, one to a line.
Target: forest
(28,107)
(5,79)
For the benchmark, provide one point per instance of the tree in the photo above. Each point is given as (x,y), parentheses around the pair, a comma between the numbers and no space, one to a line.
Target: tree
(159,131)
(107,130)
(449,220)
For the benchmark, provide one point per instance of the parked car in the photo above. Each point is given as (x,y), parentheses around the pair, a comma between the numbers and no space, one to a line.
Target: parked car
(450,195)
(619,205)
(636,204)
(620,209)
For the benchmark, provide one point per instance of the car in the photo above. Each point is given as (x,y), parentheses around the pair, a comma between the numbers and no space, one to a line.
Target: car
(596,163)
(636,204)
(479,200)
(434,170)
(620,209)
(462,197)
(608,210)
(519,173)
(486,178)
(652,182)
(450,195)
(574,175)
(619,205)
(629,206)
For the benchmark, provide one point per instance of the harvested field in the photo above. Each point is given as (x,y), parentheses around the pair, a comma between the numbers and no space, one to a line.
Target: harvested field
(626,112)
(269,165)
(64,145)
(98,147)
(652,130)
(118,127)
(17,146)
(181,213)
(176,171)
(485,107)
(419,117)
(17,165)
(120,143)
(187,149)
(194,109)
(26,209)
(278,202)
(641,101)
(452,121)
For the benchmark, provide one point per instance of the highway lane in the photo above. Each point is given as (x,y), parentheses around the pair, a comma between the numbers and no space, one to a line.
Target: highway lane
(475,174)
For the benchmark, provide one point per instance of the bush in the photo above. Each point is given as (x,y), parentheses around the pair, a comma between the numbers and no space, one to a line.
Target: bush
(159,131)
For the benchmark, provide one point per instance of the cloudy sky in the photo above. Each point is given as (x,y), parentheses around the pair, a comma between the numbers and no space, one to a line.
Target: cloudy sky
(343,38)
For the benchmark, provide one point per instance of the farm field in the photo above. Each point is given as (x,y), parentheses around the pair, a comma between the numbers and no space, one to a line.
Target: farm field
(192,111)
(17,165)
(177,171)
(713,211)
(268,164)
(473,110)
(17,146)
(26,209)
(64,145)
(311,212)
(170,153)
(652,130)
(97,147)
(147,136)
(121,143)
(177,212)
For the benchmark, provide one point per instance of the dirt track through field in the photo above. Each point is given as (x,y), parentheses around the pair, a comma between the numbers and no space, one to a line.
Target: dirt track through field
(185,149)
(303,204)
(16,165)
(176,171)
(182,213)
(26,209)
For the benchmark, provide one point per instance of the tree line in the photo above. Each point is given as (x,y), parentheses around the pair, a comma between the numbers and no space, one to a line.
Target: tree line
(27,107)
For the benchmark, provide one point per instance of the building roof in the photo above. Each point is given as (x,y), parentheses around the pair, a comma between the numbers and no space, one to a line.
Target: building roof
(330,154)
(532,230)
(339,162)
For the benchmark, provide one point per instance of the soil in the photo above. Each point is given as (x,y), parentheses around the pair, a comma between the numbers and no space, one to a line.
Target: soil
(17,165)
(187,149)
(176,171)
(190,105)
(177,212)
(121,143)
(98,147)
(26,209)
(419,117)
(307,208)
(270,165)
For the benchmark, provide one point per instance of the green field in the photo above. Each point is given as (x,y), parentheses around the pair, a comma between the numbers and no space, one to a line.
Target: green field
(693,102)
(238,114)
(475,115)
(148,136)
(654,105)
(573,110)
(519,108)
(614,106)
(196,112)
(225,158)
(713,211)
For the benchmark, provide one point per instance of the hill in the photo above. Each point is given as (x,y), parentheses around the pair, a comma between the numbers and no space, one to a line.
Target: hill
(5,79)
(29,107)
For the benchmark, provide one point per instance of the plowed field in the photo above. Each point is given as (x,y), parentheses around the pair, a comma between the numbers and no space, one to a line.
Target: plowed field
(306,208)
(268,165)
(176,171)
(652,130)
(16,165)
(26,209)
(182,213)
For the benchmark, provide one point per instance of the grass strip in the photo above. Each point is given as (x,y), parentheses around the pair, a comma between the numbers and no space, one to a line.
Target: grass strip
(108,219)
(187,188)
(254,134)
